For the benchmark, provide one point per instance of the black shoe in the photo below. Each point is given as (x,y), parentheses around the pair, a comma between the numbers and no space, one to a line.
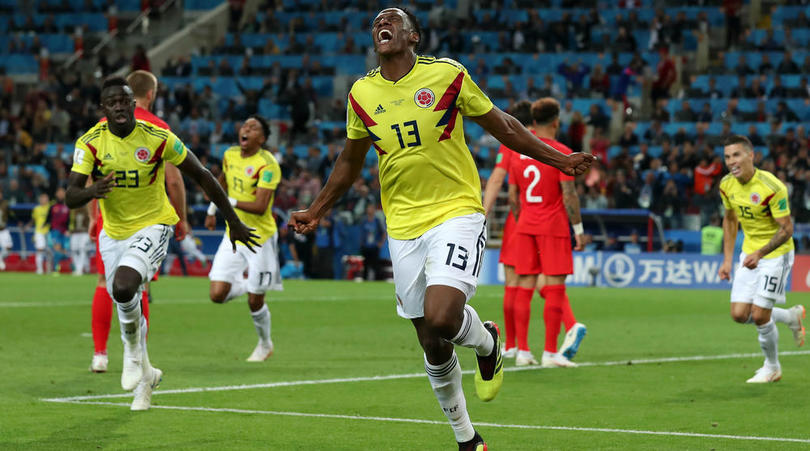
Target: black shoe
(476,444)
(489,372)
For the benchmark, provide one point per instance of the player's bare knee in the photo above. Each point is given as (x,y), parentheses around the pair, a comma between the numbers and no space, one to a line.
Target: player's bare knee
(740,317)
(444,324)
(218,294)
(761,317)
(126,283)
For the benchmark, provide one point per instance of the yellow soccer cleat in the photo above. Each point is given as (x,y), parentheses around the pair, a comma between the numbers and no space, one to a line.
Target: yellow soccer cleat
(489,372)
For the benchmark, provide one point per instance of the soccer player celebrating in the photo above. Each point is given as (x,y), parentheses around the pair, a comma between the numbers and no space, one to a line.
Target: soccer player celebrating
(548,200)
(522,112)
(408,110)
(250,174)
(144,86)
(125,157)
(758,201)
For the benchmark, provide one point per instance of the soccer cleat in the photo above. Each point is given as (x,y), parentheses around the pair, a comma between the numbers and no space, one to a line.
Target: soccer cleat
(510,353)
(525,358)
(133,366)
(766,375)
(99,364)
(261,353)
(573,338)
(475,444)
(489,372)
(556,361)
(796,325)
(143,392)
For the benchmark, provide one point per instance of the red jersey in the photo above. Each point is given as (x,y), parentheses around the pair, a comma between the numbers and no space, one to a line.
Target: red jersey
(146,115)
(541,204)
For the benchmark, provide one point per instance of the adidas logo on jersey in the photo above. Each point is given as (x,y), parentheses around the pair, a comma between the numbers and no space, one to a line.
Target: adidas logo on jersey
(108,156)
(379,110)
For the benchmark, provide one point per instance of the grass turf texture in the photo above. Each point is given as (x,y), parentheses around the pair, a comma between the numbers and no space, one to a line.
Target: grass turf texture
(327,330)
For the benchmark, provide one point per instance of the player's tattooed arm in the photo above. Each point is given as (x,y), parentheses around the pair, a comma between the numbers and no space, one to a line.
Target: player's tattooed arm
(780,237)
(571,201)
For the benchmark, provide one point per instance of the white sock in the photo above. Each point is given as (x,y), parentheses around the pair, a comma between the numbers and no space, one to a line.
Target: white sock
(768,340)
(782,315)
(261,320)
(238,288)
(40,258)
(446,382)
(129,317)
(473,334)
(144,330)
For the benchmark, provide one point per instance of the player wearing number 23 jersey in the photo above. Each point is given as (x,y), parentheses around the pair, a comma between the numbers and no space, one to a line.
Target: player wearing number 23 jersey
(427,174)
(137,161)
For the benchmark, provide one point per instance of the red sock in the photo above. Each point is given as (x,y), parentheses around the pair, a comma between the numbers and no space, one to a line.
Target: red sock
(568,318)
(101,317)
(509,294)
(523,313)
(552,314)
(145,307)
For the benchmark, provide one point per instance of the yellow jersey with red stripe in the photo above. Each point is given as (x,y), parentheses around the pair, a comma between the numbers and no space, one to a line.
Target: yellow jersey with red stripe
(427,174)
(40,216)
(244,175)
(139,197)
(756,204)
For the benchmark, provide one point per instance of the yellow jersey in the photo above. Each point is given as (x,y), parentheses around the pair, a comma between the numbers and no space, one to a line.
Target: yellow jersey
(756,204)
(244,176)
(139,197)
(40,216)
(427,174)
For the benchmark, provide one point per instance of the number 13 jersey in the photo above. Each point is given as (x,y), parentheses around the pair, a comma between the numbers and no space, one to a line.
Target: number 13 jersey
(541,204)
(427,174)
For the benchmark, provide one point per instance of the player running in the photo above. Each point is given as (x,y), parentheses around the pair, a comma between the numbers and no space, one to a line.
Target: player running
(548,201)
(408,109)
(758,201)
(250,175)
(144,86)
(125,157)
(522,112)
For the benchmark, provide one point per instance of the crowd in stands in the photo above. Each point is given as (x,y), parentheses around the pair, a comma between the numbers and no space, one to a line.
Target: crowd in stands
(631,90)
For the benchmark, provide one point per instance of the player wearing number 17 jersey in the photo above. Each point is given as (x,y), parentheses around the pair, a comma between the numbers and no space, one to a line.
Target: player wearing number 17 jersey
(410,111)
(548,201)
(759,202)
(250,174)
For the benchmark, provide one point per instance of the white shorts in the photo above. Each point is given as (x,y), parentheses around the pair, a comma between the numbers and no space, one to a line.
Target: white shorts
(79,242)
(144,251)
(5,239)
(765,285)
(40,241)
(449,254)
(262,266)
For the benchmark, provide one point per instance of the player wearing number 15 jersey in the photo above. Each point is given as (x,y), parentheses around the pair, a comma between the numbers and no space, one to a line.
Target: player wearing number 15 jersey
(759,202)
(250,174)
(410,111)
(548,201)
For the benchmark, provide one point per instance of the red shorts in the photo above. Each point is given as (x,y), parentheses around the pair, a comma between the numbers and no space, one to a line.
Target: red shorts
(509,251)
(99,260)
(543,254)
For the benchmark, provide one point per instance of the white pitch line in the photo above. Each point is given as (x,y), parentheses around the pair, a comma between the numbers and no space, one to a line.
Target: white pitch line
(414,375)
(200,301)
(444,423)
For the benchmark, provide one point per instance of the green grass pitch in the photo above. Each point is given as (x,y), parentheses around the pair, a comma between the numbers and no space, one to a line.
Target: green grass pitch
(660,370)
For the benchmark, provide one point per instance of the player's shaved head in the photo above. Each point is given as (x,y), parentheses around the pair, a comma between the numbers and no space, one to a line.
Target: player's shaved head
(522,111)
(142,82)
(545,110)
(741,140)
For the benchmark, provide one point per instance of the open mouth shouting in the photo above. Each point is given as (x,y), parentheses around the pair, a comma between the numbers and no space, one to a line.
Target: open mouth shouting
(384,36)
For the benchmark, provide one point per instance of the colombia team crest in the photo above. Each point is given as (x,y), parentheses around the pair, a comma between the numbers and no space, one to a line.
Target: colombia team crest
(249,171)
(755,198)
(424,98)
(142,154)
